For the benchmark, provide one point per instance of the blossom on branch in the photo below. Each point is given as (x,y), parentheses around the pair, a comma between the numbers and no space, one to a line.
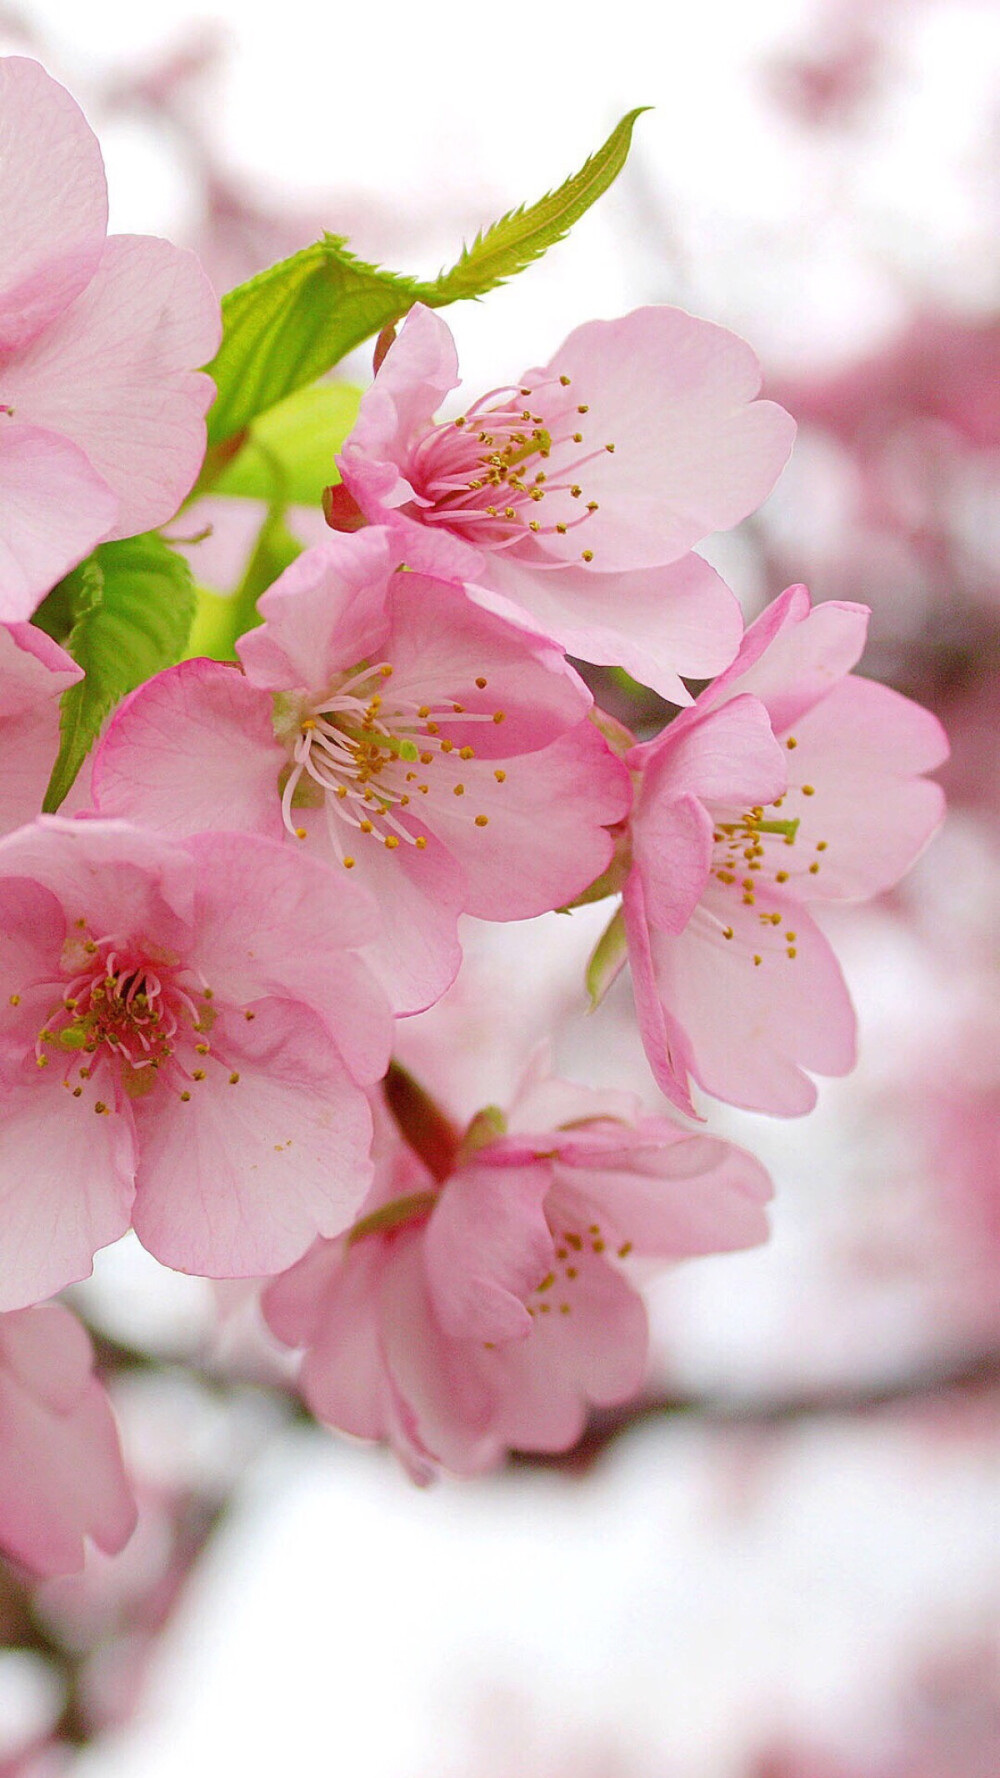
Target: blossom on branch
(185,1033)
(102,427)
(490,1308)
(438,753)
(788,782)
(578,493)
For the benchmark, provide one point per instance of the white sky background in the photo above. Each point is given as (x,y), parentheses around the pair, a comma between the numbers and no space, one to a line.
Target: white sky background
(346,1624)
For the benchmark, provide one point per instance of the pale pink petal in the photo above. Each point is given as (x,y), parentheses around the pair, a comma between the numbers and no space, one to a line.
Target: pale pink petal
(270,920)
(545,838)
(34,672)
(668,1192)
(66,1173)
(53,201)
(192,749)
(325,613)
(61,1473)
(657,623)
(794,655)
(418,371)
(343,1373)
(666,1043)
(593,1354)
(113,374)
(729,755)
(449,1405)
(754,1028)
(56,507)
(868,813)
(416,953)
(694,453)
(441,645)
(241,1178)
(115,877)
(486,1248)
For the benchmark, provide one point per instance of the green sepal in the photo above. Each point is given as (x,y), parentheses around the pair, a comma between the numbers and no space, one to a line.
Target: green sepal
(133,602)
(607,959)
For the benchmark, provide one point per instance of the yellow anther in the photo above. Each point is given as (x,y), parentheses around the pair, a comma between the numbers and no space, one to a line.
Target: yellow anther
(386,671)
(757,961)
(185,1096)
(578,438)
(420,843)
(791,742)
(366,827)
(611,448)
(15,1000)
(458,790)
(565,382)
(808,790)
(425,759)
(821,845)
(234,1079)
(424,710)
(624,1250)
(499,776)
(249,1016)
(727,932)
(482,820)
(562,529)
(481,682)
(301,834)
(576,491)
(792,952)
(781,876)
(584,408)
(498,715)
(587,555)
(592,506)
(348,863)
(308,722)
(813,869)
(390,842)
(198,1074)
(203,1049)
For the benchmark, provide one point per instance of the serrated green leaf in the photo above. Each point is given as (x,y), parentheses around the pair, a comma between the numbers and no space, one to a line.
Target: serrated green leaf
(300,437)
(133,621)
(524,234)
(292,323)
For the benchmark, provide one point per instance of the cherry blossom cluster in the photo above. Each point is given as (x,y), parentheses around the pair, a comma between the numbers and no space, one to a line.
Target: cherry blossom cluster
(204,955)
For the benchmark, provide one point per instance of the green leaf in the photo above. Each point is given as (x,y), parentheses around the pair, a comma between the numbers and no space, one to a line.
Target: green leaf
(134,605)
(524,234)
(300,437)
(67,602)
(291,324)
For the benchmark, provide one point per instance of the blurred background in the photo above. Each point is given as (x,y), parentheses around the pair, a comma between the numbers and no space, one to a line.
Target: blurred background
(786,1563)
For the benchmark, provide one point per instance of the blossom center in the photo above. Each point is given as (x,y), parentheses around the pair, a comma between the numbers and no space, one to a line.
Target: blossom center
(369,754)
(512,467)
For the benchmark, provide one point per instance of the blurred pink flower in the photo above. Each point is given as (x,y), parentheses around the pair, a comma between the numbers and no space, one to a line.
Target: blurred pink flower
(440,752)
(579,493)
(787,782)
(101,415)
(185,1025)
(490,1313)
(61,1472)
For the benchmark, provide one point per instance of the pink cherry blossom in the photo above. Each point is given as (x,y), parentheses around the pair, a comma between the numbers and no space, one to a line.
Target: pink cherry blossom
(578,493)
(788,782)
(183,1031)
(34,672)
(490,1310)
(101,413)
(441,753)
(61,1473)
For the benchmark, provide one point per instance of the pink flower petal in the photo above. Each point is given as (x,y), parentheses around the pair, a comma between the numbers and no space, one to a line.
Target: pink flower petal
(112,375)
(34,672)
(56,507)
(241,1178)
(61,1473)
(754,1028)
(486,1248)
(694,453)
(64,1196)
(657,623)
(324,614)
(793,655)
(192,749)
(53,201)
